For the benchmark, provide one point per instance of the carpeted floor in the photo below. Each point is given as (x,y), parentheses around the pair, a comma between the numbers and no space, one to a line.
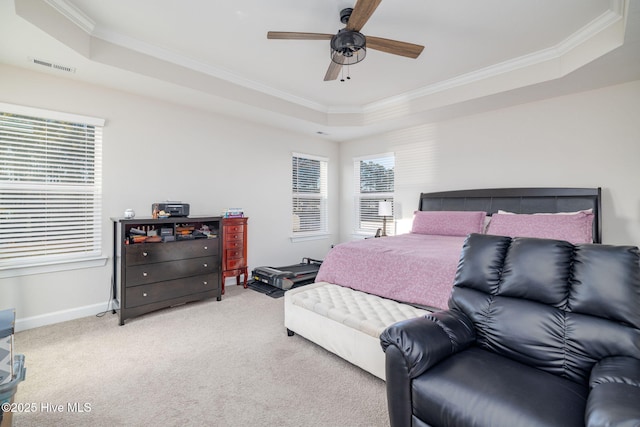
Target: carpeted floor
(212,363)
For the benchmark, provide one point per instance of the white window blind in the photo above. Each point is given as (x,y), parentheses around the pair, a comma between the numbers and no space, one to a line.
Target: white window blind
(374,183)
(50,187)
(309,190)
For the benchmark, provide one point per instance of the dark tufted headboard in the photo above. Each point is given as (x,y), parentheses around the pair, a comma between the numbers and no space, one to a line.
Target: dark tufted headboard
(518,200)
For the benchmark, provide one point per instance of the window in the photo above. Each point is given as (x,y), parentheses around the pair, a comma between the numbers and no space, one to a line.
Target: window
(50,187)
(309,189)
(374,183)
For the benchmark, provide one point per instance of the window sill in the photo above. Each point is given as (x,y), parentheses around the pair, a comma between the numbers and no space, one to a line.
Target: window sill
(362,235)
(28,270)
(297,239)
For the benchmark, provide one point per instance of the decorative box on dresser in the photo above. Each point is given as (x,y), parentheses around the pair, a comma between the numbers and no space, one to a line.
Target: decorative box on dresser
(234,250)
(179,264)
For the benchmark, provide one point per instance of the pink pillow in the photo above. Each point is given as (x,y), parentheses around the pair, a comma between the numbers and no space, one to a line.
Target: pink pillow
(575,228)
(448,223)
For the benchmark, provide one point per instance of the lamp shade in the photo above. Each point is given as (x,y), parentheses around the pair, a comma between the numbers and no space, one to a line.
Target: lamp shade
(385,208)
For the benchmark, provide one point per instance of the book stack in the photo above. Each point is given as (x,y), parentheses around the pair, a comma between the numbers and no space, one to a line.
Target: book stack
(233,213)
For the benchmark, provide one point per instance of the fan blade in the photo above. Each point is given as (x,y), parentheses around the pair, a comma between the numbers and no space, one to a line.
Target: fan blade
(284,35)
(394,47)
(334,68)
(362,11)
(332,72)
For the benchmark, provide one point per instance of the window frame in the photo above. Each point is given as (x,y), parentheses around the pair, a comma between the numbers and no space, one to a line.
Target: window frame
(69,259)
(358,230)
(322,196)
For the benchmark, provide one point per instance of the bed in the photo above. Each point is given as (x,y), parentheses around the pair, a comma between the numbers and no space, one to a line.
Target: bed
(419,267)
(366,285)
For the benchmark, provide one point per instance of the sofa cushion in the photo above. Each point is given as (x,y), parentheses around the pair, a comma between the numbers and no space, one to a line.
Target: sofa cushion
(588,312)
(478,387)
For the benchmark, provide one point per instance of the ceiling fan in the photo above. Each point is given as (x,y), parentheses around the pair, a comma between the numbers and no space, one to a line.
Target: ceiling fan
(349,46)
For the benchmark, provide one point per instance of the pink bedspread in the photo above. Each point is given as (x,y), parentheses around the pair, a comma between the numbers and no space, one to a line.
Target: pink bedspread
(412,268)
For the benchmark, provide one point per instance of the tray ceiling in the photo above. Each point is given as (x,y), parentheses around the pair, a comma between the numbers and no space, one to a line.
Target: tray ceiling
(216,56)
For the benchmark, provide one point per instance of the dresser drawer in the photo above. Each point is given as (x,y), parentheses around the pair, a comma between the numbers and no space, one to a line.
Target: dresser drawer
(146,253)
(234,228)
(234,244)
(162,291)
(234,253)
(233,237)
(162,271)
(232,264)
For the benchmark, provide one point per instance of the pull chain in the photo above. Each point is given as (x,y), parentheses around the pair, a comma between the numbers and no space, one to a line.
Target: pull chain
(348,73)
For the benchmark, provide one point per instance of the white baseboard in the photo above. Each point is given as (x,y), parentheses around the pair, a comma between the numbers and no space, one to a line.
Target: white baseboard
(60,316)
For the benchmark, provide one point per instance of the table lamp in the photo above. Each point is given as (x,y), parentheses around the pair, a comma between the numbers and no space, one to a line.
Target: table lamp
(385,209)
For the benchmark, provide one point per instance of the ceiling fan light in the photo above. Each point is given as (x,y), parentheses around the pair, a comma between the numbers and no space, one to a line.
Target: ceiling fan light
(348,47)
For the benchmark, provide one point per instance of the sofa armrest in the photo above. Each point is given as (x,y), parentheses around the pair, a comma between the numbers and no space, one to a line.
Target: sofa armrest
(426,340)
(615,393)
(411,347)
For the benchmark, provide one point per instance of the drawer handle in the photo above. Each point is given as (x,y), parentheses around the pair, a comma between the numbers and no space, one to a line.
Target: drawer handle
(206,247)
(144,294)
(205,283)
(144,274)
(144,254)
(205,265)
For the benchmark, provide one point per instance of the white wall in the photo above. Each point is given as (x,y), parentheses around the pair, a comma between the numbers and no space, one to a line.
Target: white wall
(154,151)
(590,139)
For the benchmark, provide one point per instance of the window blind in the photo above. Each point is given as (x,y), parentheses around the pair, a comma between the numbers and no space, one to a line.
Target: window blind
(309,189)
(374,182)
(50,188)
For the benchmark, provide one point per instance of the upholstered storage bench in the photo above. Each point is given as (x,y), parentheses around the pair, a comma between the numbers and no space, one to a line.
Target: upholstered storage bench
(344,321)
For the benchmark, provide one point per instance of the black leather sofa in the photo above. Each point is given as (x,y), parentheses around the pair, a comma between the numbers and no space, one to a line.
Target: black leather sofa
(538,333)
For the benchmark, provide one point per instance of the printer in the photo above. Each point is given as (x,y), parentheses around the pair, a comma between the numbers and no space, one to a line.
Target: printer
(172,208)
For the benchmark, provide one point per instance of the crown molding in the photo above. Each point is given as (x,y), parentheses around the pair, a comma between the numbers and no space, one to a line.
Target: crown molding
(617,11)
(195,65)
(84,22)
(74,14)
(611,17)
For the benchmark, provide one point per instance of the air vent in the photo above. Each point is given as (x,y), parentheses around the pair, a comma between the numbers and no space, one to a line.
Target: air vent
(49,64)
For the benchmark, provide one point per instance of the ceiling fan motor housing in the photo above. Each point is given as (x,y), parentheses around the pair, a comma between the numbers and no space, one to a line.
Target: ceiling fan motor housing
(350,45)
(345,14)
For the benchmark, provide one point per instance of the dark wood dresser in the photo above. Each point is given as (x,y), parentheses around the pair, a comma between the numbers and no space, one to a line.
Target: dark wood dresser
(234,251)
(184,266)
